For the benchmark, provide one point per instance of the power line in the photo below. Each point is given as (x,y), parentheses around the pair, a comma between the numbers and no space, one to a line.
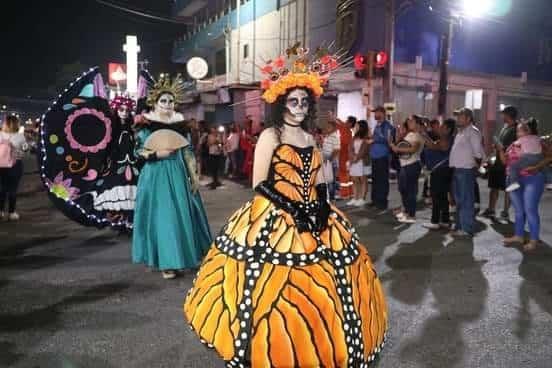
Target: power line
(140,13)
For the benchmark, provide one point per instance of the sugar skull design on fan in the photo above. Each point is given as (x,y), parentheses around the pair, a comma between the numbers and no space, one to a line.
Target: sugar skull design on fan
(87,154)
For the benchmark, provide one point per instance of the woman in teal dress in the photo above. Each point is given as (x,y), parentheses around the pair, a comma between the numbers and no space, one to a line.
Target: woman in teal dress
(171,231)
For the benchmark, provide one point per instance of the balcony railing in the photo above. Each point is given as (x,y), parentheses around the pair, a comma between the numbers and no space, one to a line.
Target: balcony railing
(200,36)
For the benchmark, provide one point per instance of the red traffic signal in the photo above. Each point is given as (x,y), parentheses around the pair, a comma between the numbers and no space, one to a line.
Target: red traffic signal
(360,62)
(381,60)
(370,64)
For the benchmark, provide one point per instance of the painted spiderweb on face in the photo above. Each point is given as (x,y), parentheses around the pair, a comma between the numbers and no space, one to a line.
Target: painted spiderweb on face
(85,180)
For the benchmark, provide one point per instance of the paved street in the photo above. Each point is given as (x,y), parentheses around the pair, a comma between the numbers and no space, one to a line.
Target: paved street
(69,296)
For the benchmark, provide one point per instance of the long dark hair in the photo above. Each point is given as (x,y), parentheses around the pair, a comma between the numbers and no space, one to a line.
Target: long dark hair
(279,108)
(362,131)
(533,125)
(451,126)
(11,122)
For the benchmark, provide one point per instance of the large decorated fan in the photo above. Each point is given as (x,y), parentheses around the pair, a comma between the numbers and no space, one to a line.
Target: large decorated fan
(87,156)
(165,139)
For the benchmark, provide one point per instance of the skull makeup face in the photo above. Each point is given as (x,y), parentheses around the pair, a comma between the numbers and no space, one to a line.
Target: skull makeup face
(165,104)
(122,112)
(297,106)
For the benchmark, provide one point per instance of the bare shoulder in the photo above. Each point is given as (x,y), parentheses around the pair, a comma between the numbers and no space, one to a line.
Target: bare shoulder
(269,135)
(268,139)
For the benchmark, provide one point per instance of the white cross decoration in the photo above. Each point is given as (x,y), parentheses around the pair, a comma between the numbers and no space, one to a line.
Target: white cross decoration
(132,49)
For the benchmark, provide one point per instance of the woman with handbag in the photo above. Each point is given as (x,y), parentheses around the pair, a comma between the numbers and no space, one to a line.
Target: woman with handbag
(13,146)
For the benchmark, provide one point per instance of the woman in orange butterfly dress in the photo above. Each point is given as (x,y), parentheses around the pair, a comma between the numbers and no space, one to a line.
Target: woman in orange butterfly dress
(287,282)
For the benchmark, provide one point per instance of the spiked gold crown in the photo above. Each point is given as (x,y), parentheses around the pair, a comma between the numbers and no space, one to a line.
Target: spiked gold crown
(174,87)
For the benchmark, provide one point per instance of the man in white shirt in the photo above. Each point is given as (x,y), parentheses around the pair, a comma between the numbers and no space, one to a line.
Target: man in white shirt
(231,147)
(465,158)
(330,151)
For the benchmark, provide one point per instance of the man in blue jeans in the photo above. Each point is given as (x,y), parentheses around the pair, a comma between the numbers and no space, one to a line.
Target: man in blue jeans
(465,157)
(380,154)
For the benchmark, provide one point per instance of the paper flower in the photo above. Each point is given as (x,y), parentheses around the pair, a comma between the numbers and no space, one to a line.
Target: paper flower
(62,188)
(280,62)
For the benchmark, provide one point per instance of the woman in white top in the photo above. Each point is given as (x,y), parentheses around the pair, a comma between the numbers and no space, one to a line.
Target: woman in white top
(231,148)
(409,150)
(11,176)
(356,164)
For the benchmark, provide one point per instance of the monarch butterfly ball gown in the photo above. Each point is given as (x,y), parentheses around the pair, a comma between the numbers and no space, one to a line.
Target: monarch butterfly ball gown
(271,294)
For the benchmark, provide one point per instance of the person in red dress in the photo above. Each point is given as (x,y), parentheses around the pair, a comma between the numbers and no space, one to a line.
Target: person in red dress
(247,146)
(346,137)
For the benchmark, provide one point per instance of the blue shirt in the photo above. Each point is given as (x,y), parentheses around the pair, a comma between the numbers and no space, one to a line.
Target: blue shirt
(433,157)
(380,148)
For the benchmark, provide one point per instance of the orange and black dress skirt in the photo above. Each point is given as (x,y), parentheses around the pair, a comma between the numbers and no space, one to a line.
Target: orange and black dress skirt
(267,295)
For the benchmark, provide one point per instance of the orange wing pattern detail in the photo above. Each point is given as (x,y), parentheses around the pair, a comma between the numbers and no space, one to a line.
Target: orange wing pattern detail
(269,296)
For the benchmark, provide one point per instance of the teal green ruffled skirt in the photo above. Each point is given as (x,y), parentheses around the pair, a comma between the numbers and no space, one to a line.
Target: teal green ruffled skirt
(171,231)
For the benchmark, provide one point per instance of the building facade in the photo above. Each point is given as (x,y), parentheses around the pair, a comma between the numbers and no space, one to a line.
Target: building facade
(235,37)
(502,56)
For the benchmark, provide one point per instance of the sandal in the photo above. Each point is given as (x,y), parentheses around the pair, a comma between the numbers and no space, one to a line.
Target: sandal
(531,246)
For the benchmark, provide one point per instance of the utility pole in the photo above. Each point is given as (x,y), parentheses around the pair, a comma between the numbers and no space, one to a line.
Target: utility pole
(238,60)
(390,49)
(446,44)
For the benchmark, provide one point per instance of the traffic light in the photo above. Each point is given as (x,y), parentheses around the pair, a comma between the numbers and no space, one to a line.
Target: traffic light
(373,63)
(361,66)
(381,60)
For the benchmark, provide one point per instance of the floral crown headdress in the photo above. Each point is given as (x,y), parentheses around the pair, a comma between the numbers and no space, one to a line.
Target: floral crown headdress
(299,69)
(174,87)
(122,100)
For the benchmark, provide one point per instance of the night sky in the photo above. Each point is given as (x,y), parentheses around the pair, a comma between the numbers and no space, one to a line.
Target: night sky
(38,36)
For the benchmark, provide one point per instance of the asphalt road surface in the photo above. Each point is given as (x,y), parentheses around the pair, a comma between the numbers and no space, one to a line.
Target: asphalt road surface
(70,298)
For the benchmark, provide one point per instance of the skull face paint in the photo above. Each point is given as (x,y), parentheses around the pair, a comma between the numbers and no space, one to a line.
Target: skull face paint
(297,106)
(165,104)
(122,112)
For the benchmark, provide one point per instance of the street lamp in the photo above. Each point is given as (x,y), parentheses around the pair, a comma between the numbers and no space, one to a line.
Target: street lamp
(468,9)
(477,8)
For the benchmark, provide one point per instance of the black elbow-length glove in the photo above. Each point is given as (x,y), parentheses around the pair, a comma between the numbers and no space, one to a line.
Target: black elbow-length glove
(302,221)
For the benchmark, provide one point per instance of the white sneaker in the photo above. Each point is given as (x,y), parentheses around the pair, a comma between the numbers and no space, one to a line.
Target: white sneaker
(460,233)
(168,275)
(360,203)
(512,187)
(548,186)
(352,202)
(13,216)
(407,220)
(431,226)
